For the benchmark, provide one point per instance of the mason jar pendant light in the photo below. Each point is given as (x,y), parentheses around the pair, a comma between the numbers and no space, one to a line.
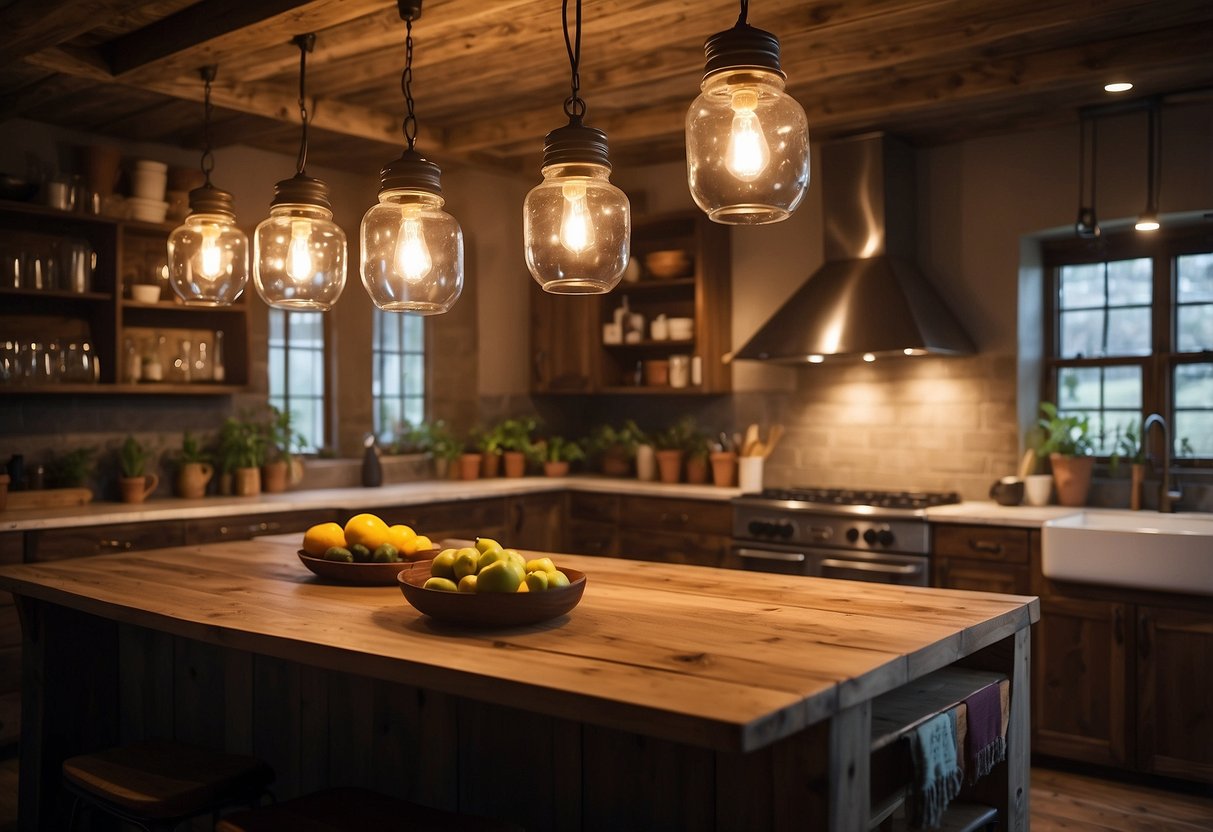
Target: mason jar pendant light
(747,140)
(208,253)
(299,252)
(1087,225)
(577,226)
(412,250)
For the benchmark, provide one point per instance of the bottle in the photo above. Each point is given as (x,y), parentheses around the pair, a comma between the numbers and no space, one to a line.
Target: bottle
(217,371)
(16,472)
(372,470)
(133,370)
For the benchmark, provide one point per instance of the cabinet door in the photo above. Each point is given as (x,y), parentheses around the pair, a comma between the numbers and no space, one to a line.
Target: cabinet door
(464,519)
(565,337)
(673,547)
(218,529)
(957,573)
(1079,683)
(536,522)
(58,544)
(591,537)
(1174,702)
(713,517)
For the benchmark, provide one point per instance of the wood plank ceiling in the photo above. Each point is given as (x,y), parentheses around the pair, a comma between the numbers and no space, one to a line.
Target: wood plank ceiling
(490,77)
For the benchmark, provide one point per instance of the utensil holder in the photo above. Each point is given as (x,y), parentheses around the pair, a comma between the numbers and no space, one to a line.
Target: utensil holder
(749,474)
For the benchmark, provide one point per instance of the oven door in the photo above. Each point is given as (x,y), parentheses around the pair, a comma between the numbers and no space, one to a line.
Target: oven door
(906,570)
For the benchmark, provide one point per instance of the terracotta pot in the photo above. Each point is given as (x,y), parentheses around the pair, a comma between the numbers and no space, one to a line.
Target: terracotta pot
(515,464)
(697,470)
(616,464)
(443,468)
(1136,485)
(192,478)
(724,468)
(274,476)
(137,489)
(296,471)
(556,469)
(1072,478)
(490,465)
(226,480)
(669,465)
(469,466)
(246,482)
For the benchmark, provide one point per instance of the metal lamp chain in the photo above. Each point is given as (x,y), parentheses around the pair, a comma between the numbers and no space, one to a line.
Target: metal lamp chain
(304,48)
(406,86)
(745,13)
(574,106)
(208,158)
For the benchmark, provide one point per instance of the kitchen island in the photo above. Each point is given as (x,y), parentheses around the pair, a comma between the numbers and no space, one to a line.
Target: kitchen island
(672,697)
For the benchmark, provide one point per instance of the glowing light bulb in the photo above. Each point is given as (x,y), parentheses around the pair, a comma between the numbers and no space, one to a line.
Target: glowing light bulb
(210,255)
(412,254)
(576,227)
(748,154)
(869,357)
(299,256)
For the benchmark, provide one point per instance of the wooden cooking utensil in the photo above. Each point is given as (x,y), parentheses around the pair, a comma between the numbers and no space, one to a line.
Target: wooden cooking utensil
(772,439)
(1028,464)
(751,439)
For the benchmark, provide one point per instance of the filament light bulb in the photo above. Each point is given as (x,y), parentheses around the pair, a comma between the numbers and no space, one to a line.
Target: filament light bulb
(412,254)
(210,255)
(748,154)
(299,265)
(576,226)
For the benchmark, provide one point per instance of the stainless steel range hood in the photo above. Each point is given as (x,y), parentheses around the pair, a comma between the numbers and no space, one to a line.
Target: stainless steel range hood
(868,296)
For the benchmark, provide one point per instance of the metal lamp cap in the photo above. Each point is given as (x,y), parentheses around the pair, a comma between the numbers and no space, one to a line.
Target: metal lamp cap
(211,200)
(741,47)
(575,143)
(411,172)
(301,190)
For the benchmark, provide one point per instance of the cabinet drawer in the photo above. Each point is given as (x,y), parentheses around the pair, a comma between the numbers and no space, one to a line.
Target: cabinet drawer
(604,508)
(587,537)
(982,576)
(981,543)
(464,519)
(673,547)
(246,527)
(700,516)
(58,544)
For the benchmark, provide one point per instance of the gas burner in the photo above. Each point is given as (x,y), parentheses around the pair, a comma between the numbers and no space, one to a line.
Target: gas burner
(848,497)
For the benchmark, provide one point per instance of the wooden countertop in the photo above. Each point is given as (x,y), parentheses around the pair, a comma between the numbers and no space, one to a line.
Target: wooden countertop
(717,658)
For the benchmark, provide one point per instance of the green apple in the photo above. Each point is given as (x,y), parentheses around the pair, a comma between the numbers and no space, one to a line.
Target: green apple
(501,576)
(537,581)
(443,565)
(361,553)
(444,584)
(517,557)
(557,579)
(467,583)
(465,563)
(491,556)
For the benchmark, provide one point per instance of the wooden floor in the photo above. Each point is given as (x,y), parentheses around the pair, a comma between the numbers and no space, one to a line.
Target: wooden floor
(1060,801)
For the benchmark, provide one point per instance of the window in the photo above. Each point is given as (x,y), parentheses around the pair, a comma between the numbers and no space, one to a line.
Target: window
(398,373)
(1130,332)
(296,372)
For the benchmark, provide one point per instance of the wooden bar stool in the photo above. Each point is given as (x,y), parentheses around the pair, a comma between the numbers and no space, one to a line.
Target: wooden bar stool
(355,810)
(157,784)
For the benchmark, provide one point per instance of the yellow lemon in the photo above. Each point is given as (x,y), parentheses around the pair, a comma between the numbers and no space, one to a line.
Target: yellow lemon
(423,544)
(368,530)
(320,538)
(403,538)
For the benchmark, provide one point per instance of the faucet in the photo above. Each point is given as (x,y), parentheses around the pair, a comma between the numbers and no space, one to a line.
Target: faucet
(1166,497)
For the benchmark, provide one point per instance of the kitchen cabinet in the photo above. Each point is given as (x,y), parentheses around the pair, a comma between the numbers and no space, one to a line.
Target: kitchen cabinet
(536,521)
(246,527)
(462,519)
(981,558)
(85,541)
(10,648)
(675,530)
(569,352)
(41,244)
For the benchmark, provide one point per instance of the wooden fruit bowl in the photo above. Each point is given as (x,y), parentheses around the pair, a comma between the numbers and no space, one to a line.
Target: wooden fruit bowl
(489,609)
(361,574)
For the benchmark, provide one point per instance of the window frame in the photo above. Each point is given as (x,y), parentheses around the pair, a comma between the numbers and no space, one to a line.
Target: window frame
(326,395)
(1162,248)
(378,361)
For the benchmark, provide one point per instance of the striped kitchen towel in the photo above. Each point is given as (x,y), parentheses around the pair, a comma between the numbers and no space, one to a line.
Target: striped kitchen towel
(936,768)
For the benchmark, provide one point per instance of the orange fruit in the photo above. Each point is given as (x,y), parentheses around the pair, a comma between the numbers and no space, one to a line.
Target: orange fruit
(403,538)
(422,544)
(367,529)
(320,538)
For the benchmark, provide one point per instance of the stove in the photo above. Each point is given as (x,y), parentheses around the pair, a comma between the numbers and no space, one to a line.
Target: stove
(834,532)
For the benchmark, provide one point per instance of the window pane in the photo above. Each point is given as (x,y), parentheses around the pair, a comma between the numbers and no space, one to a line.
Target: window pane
(277,372)
(414,333)
(414,375)
(1194,386)
(1082,286)
(1197,427)
(1129,331)
(1081,334)
(415,410)
(1195,324)
(1078,388)
(307,330)
(1122,388)
(1194,278)
(1130,282)
(277,321)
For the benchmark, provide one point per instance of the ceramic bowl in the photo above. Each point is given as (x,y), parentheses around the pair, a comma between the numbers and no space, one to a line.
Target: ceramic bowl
(681,329)
(669,264)
(488,609)
(147,210)
(145,293)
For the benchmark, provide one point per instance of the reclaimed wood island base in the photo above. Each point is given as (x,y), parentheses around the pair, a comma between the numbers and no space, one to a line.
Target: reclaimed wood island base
(673,697)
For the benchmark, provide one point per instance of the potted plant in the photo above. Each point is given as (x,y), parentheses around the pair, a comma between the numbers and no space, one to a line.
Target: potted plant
(133,457)
(516,444)
(242,453)
(194,468)
(281,441)
(1067,444)
(697,447)
(615,449)
(670,444)
(442,445)
(489,442)
(469,461)
(1128,445)
(71,469)
(557,453)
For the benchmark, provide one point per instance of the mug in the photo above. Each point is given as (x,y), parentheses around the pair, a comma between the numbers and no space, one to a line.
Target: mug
(1038,488)
(680,370)
(749,474)
(1008,491)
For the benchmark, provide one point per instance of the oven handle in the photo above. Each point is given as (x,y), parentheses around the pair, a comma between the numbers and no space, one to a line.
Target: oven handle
(864,566)
(767,554)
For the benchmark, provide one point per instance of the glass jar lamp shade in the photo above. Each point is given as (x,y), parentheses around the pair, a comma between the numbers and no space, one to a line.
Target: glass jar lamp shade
(299,258)
(747,148)
(412,253)
(577,227)
(208,253)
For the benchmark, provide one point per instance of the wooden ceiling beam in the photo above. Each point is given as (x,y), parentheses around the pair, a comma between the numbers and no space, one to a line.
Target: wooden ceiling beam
(28,26)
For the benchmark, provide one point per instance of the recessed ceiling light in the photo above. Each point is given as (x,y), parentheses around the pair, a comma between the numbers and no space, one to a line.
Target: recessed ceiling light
(869,357)
(816,359)
(1118,86)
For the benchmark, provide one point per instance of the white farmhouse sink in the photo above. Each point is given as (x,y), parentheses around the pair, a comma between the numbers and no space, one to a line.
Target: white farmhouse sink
(1143,550)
